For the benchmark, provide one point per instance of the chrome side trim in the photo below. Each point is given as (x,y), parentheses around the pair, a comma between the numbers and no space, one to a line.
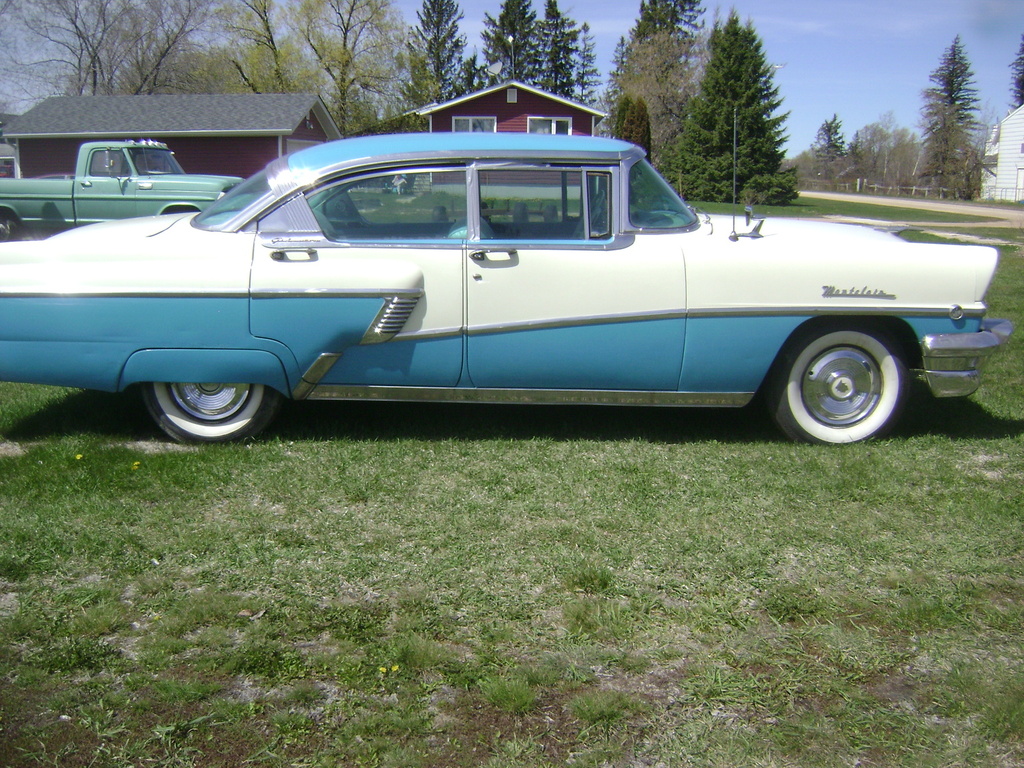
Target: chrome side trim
(532,396)
(314,374)
(196,294)
(576,322)
(392,316)
(326,293)
(816,310)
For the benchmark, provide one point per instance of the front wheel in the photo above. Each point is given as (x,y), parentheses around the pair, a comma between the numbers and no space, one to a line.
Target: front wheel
(838,386)
(8,228)
(210,412)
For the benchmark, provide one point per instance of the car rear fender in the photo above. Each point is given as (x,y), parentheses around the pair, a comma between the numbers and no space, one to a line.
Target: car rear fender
(250,366)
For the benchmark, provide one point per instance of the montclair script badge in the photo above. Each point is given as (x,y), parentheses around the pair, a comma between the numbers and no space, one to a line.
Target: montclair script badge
(831,292)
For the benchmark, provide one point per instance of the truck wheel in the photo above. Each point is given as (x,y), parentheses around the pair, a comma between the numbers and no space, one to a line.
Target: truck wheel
(210,412)
(8,228)
(838,386)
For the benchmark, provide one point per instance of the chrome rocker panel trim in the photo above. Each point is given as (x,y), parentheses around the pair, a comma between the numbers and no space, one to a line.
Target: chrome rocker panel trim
(953,361)
(531,396)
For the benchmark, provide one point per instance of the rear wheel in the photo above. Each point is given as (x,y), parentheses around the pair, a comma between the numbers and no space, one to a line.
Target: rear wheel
(838,386)
(211,412)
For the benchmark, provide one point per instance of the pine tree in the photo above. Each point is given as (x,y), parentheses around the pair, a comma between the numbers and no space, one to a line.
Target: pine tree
(559,52)
(588,76)
(512,39)
(829,148)
(951,156)
(737,94)
(679,17)
(829,143)
(436,38)
(1017,83)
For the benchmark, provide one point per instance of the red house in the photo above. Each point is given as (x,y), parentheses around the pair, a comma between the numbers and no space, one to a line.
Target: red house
(512,107)
(230,134)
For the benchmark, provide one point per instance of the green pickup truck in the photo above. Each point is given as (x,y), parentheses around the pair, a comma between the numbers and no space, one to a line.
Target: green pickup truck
(112,180)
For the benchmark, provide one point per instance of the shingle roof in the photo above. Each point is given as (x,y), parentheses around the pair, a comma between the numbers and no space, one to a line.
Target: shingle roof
(168,114)
(432,108)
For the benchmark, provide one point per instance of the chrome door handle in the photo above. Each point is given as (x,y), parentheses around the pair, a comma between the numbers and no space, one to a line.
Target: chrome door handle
(297,254)
(500,254)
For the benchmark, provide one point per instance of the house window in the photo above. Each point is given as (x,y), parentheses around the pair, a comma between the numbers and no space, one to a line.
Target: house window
(561,125)
(474,124)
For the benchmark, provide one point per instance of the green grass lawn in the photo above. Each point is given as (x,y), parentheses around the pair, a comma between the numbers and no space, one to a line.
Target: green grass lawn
(375,584)
(813,207)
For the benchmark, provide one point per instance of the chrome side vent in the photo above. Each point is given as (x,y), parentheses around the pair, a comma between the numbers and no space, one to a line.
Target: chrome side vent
(391,318)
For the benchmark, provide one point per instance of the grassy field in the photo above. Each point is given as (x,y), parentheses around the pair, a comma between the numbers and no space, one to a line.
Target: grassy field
(379,584)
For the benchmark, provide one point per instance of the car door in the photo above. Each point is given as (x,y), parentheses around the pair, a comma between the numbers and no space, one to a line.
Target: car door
(107,191)
(556,300)
(362,280)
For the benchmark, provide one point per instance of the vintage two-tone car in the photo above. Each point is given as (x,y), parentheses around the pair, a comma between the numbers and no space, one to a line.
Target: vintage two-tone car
(491,268)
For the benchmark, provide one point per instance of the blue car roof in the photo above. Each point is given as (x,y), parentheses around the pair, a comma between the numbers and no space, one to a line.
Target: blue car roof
(347,151)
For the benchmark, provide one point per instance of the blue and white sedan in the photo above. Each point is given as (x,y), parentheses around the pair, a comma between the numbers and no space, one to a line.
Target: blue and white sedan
(493,268)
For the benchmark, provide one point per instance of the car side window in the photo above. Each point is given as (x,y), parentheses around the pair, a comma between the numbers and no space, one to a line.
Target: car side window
(531,204)
(398,205)
(599,205)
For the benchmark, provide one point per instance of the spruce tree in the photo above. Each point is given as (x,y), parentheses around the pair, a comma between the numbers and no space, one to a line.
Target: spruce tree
(1017,81)
(678,17)
(829,147)
(588,76)
(559,52)
(437,39)
(737,93)
(952,159)
(512,38)
(829,143)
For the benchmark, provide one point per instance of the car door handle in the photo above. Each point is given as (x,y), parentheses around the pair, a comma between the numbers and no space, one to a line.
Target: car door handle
(501,254)
(297,254)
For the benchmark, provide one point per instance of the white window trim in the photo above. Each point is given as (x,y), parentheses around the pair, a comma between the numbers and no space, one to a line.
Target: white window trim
(471,118)
(553,120)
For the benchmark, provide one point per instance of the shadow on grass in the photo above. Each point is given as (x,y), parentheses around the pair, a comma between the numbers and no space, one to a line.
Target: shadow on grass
(87,413)
(123,416)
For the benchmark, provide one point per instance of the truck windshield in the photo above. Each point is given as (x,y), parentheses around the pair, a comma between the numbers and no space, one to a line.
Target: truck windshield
(150,161)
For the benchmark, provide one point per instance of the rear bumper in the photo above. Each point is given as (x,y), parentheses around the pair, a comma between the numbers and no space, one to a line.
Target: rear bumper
(953,361)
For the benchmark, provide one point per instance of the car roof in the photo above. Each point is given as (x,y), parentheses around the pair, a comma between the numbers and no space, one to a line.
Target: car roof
(393,147)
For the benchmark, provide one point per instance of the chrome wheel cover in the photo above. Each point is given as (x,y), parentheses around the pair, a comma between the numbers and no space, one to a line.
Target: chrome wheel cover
(209,401)
(841,386)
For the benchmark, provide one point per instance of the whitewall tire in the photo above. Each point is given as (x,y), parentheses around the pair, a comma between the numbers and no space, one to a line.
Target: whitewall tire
(211,412)
(838,385)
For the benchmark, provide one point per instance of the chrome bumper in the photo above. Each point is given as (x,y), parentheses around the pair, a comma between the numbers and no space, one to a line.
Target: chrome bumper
(953,361)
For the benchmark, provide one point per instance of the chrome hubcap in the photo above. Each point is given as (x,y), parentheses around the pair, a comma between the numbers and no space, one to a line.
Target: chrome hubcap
(210,402)
(842,386)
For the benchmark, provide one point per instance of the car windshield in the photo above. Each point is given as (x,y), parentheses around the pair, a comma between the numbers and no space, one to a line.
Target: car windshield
(653,204)
(234,202)
(150,161)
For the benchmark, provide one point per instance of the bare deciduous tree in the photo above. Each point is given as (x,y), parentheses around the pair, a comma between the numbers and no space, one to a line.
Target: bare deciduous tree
(114,46)
(358,46)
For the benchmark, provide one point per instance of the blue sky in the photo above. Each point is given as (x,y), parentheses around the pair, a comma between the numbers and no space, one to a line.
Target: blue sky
(859,59)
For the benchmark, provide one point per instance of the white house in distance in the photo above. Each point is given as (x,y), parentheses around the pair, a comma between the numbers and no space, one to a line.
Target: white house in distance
(1003,173)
